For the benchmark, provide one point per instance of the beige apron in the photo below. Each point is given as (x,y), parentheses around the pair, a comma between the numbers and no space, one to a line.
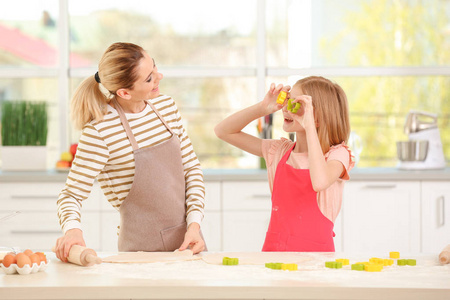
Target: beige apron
(153,215)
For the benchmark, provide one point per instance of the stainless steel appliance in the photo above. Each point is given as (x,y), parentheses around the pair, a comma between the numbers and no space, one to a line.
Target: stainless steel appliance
(424,149)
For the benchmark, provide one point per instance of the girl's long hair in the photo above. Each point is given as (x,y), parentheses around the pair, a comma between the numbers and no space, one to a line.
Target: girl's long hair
(330,110)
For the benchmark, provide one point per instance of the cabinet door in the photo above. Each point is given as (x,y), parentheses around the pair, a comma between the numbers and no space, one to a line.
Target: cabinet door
(246,195)
(109,220)
(39,230)
(36,227)
(245,231)
(212,222)
(379,217)
(337,229)
(211,229)
(435,216)
(246,215)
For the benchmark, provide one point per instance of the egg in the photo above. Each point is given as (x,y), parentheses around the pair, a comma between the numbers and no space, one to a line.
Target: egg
(28,252)
(42,256)
(35,259)
(22,260)
(9,259)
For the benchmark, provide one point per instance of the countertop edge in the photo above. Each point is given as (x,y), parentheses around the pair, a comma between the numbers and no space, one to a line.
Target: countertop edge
(357,174)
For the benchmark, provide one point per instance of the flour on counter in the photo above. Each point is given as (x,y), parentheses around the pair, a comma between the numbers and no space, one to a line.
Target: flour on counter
(428,270)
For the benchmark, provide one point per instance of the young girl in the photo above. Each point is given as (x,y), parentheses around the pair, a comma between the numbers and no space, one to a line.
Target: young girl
(134,143)
(306,177)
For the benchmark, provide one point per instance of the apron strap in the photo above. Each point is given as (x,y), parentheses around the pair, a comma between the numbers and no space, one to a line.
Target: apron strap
(160,117)
(286,155)
(126,124)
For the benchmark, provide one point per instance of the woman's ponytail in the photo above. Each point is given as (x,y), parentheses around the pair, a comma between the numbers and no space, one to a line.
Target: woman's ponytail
(88,103)
(116,70)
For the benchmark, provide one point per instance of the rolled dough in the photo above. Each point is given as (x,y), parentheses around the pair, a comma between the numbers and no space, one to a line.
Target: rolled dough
(151,257)
(257,258)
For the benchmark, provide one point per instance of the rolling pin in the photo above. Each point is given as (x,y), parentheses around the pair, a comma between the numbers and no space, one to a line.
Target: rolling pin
(82,256)
(444,256)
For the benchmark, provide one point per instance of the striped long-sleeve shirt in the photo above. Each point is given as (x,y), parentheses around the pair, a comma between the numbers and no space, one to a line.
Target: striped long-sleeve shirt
(105,153)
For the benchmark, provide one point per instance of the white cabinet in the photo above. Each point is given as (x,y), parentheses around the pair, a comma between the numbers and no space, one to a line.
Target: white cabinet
(435,216)
(376,216)
(36,227)
(246,215)
(381,216)
(212,222)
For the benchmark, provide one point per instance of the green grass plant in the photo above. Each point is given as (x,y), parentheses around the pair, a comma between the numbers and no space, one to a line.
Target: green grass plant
(24,123)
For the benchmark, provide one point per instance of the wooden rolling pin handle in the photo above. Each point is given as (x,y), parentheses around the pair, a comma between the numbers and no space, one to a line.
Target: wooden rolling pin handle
(93,259)
(444,256)
(82,256)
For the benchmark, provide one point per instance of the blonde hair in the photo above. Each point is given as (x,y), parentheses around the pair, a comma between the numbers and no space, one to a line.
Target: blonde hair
(117,69)
(330,110)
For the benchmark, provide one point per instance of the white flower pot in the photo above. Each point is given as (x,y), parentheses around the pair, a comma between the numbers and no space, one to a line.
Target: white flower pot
(23,158)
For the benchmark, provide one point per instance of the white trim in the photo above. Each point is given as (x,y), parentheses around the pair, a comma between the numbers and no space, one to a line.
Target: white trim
(27,72)
(196,72)
(63,74)
(191,72)
(361,71)
(261,67)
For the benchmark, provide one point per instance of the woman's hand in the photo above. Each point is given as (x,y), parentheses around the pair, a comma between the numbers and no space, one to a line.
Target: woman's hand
(269,103)
(193,239)
(305,115)
(64,243)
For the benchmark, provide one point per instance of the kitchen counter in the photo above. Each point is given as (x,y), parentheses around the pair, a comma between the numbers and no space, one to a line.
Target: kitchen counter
(250,175)
(199,280)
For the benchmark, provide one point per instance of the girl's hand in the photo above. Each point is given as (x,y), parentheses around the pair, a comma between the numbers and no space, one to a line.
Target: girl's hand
(305,115)
(193,239)
(269,103)
(64,243)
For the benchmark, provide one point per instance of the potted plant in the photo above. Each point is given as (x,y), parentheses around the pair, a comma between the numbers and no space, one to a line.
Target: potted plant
(24,135)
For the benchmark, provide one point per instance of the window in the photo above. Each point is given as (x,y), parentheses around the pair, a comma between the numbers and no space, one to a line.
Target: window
(389,56)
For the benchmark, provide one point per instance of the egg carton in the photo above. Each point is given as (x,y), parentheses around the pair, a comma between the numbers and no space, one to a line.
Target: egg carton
(26,269)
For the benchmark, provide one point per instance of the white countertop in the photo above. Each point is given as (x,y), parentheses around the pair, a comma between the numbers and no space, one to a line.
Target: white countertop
(199,280)
(249,175)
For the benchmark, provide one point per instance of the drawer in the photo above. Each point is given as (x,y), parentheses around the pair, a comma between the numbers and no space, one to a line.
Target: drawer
(35,197)
(245,231)
(248,195)
(39,231)
(29,196)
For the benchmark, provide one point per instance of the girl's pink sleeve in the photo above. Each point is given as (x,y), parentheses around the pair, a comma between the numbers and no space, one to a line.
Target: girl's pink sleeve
(271,149)
(343,154)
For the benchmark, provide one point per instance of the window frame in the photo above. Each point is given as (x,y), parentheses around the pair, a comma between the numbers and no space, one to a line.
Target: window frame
(63,73)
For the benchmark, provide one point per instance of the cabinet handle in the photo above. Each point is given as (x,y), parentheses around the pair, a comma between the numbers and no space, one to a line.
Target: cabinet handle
(25,197)
(36,232)
(261,196)
(10,215)
(380,186)
(441,211)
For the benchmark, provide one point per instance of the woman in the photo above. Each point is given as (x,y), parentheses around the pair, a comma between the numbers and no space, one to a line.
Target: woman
(133,142)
